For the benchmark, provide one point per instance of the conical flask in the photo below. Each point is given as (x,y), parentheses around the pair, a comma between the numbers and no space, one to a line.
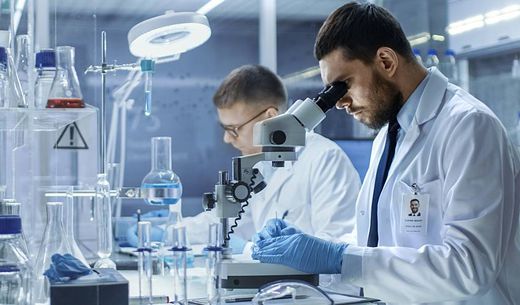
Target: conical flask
(53,242)
(69,229)
(65,91)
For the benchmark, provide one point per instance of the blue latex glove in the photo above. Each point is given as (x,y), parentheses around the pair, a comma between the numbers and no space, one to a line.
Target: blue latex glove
(273,228)
(156,234)
(66,267)
(302,252)
(154,213)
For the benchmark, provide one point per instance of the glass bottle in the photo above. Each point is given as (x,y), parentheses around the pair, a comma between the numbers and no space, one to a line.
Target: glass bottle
(103,217)
(69,229)
(45,72)
(15,267)
(431,60)
(161,186)
(65,91)
(22,62)
(54,241)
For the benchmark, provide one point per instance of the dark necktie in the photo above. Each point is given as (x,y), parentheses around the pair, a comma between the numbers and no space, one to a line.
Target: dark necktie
(382,174)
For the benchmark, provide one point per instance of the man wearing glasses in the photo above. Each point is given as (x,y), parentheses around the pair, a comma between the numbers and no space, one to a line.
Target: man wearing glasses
(317,193)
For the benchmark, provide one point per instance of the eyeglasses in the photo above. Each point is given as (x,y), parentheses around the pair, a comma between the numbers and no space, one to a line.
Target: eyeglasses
(233,130)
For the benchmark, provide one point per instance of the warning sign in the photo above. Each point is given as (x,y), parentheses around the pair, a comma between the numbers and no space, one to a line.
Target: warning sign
(71,138)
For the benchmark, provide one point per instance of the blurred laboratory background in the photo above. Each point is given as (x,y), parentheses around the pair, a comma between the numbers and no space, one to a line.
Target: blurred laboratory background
(475,43)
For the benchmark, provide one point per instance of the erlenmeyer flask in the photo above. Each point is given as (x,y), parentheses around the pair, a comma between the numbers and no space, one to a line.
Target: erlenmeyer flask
(69,228)
(22,62)
(65,90)
(161,185)
(54,241)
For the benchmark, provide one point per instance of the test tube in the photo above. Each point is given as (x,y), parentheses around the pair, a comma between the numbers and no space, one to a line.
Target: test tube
(144,262)
(214,251)
(103,212)
(180,277)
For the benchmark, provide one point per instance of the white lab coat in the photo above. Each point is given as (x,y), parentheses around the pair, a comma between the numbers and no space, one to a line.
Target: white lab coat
(318,191)
(457,152)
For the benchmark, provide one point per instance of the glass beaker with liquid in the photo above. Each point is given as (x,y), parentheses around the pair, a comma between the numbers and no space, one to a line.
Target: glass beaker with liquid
(65,91)
(161,186)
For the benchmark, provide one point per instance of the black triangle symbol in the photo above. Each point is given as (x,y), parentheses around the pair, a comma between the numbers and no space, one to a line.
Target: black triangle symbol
(73,141)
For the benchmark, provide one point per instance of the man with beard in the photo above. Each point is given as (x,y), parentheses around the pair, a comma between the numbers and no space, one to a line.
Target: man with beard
(437,144)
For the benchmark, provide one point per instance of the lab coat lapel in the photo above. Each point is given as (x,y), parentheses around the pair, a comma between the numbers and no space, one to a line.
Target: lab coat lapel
(427,109)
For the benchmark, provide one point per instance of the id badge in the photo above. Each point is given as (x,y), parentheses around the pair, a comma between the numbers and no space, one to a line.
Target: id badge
(414,213)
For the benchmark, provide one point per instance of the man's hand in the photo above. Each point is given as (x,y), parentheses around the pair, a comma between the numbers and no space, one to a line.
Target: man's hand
(275,227)
(302,252)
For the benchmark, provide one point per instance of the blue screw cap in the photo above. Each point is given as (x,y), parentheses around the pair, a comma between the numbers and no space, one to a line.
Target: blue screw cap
(10,225)
(449,52)
(3,56)
(432,52)
(46,59)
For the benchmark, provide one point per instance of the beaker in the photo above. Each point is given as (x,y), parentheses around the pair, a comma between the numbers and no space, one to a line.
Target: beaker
(53,242)
(161,186)
(214,254)
(65,91)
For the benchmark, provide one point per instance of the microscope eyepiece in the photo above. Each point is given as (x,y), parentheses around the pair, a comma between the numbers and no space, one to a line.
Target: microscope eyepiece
(328,97)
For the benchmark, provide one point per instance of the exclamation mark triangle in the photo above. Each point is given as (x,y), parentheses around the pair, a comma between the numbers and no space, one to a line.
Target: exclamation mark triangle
(71,138)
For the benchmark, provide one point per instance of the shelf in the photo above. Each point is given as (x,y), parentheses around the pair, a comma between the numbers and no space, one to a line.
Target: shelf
(42,119)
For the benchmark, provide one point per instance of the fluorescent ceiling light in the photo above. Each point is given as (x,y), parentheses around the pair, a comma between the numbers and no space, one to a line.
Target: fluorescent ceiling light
(210,5)
(301,75)
(168,35)
(438,37)
(419,38)
(465,25)
(507,13)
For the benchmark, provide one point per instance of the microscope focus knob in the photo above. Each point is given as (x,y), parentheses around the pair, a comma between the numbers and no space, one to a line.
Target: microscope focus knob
(240,191)
(208,201)
(278,137)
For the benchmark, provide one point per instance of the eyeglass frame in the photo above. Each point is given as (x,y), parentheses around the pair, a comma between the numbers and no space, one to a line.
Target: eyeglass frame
(233,131)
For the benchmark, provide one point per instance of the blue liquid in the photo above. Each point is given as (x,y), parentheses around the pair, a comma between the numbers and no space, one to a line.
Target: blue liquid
(148,103)
(190,258)
(176,193)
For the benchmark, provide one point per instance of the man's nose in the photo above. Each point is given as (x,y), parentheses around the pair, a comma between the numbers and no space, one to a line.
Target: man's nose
(343,102)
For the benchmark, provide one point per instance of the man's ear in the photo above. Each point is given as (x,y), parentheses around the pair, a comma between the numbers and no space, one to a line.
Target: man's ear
(271,112)
(386,61)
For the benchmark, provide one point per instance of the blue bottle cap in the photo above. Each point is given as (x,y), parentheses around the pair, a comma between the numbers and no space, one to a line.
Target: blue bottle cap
(3,56)
(416,51)
(449,52)
(10,224)
(46,59)
(432,52)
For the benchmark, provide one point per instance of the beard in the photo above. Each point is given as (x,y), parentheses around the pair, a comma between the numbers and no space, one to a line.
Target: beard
(387,101)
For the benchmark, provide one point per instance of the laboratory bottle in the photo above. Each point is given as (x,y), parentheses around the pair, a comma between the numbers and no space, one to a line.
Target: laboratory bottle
(4,97)
(431,60)
(161,186)
(515,69)
(53,242)
(65,90)
(417,54)
(22,62)
(9,207)
(45,72)
(15,95)
(448,66)
(15,267)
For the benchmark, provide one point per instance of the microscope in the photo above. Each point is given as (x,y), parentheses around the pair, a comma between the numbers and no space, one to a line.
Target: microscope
(278,137)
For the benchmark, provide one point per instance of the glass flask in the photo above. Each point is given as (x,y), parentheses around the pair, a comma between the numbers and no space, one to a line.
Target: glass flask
(103,215)
(22,62)
(65,91)
(54,241)
(161,186)
(15,267)
(69,228)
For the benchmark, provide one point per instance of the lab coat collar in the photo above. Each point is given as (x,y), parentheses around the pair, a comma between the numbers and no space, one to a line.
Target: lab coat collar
(432,97)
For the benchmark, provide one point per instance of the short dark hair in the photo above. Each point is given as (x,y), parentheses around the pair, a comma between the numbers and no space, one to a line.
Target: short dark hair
(359,30)
(253,85)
